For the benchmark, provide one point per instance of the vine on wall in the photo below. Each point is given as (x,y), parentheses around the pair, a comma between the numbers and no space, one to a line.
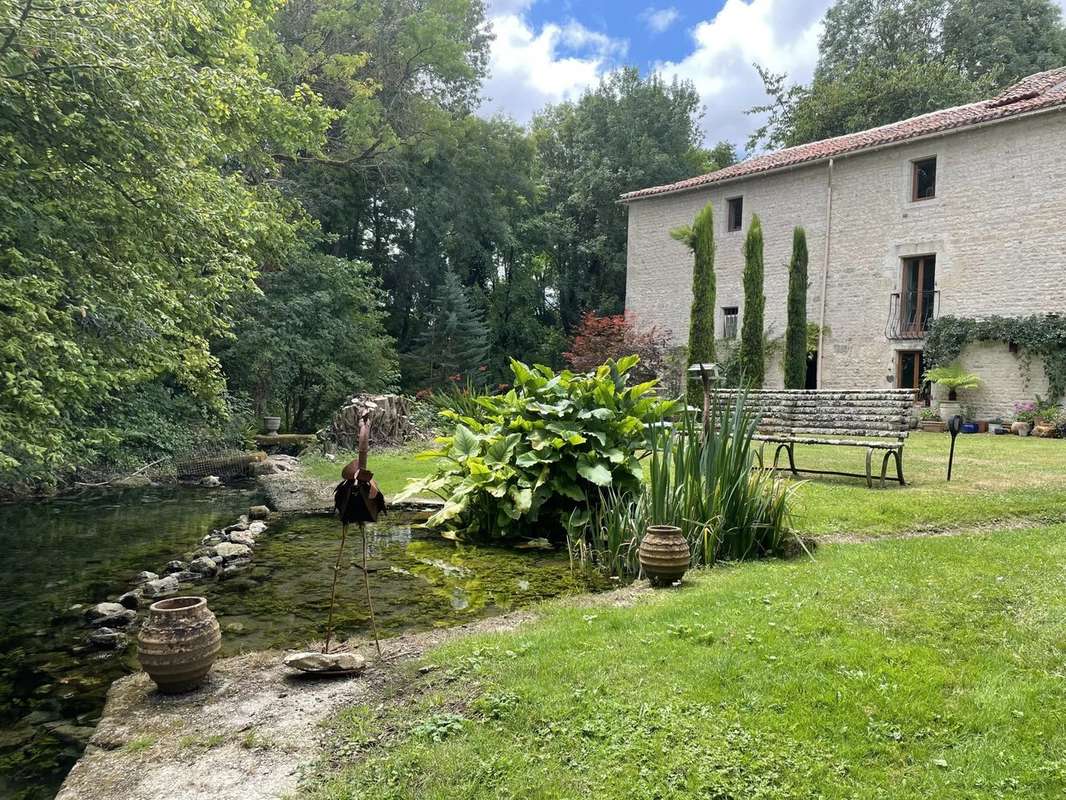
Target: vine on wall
(1035,335)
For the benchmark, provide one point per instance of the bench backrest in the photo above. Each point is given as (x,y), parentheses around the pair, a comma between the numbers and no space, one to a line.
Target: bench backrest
(824,412)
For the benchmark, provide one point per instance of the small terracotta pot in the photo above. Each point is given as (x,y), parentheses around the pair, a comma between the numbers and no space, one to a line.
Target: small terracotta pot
(178,643)
(664,554)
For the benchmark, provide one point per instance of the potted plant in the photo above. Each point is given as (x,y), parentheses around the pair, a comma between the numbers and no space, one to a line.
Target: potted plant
(953,378)
(931,422)
(1024,417)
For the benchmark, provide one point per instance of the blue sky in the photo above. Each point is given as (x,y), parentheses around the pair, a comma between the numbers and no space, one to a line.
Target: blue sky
(550,50)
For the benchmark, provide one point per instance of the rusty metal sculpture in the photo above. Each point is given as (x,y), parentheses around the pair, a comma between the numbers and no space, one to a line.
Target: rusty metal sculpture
(357,499)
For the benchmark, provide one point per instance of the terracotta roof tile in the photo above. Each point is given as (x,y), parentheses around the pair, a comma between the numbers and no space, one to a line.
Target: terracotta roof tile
(1038,92)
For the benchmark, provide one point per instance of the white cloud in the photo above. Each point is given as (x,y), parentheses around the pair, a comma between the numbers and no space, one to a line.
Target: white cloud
(778,34)
(659,19)
(529,69)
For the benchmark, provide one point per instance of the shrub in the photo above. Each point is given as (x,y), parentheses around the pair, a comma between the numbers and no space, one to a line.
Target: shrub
(600,339)
(545,447)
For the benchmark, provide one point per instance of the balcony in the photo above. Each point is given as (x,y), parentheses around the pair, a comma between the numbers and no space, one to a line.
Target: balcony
(910,312)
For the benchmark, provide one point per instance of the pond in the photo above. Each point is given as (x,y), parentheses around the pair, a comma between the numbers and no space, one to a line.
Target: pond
(61,554)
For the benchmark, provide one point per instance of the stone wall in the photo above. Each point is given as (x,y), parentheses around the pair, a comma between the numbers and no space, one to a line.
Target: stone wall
(997,228)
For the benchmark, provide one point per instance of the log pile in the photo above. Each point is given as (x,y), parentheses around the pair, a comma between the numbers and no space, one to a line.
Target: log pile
(390,423)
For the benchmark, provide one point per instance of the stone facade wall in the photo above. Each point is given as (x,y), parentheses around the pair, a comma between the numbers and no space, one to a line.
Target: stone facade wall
(997,228)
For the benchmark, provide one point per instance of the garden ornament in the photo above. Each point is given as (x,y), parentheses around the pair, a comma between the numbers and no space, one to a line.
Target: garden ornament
(358,499)
(954,426)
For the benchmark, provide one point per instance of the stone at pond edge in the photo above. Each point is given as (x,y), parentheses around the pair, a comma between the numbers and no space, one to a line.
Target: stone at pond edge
(173,566)
(241,537)
(144,577)
(203,565)
(230,550)
(326,662)
(258,512)
(131,600)
(210,481)
(108,639)
(161,587)
(104,610)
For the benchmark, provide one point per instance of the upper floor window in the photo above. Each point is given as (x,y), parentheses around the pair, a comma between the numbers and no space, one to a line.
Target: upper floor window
(730,317)
(923,181)
(736,214)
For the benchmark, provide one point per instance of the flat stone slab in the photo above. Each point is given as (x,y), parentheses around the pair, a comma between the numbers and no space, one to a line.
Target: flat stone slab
(326,663)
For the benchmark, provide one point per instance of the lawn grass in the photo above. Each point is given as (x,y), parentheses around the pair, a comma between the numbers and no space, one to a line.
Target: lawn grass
(393,468)
(995,478)
(913,668)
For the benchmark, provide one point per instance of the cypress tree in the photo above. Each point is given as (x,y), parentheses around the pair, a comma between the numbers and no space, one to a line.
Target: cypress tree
(752,357)
(700,239)
(455,341)
(796,329)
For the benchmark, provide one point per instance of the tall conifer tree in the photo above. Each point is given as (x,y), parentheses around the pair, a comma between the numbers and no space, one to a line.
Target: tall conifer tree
(752,356)
(700,239)
(796,330)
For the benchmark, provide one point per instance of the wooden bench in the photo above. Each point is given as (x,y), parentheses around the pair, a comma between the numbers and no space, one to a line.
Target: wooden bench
(875,420)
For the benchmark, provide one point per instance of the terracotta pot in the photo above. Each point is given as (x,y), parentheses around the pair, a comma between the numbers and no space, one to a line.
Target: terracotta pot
(178,643)
(1020,428)
(664,554)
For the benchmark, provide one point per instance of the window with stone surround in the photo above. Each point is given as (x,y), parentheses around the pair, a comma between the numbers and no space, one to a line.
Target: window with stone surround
(735,219)
(923,179)
(730,318)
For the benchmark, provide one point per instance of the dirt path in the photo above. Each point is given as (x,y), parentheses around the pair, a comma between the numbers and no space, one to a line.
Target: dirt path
(246,734)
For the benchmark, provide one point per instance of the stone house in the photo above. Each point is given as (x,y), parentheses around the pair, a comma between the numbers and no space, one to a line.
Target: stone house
(958,212)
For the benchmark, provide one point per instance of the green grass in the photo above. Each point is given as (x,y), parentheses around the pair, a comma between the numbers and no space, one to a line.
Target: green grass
(914,668)
(995,478)
(392,468)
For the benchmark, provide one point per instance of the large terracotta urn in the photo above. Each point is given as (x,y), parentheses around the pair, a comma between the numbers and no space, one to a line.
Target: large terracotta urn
(178,643)
(664,554)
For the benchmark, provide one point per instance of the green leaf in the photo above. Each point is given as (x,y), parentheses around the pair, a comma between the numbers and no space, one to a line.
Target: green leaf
(465,441)
(596,472)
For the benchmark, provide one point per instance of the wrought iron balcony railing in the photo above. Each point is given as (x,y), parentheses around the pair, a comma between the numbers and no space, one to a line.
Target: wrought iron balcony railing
(910,312)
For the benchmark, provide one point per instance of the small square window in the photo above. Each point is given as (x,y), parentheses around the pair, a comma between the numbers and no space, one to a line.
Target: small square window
(730,317)
(736,213)
(924,179)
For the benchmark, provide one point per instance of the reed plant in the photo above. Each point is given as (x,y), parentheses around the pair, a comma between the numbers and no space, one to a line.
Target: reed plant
(713,488)
(606,536)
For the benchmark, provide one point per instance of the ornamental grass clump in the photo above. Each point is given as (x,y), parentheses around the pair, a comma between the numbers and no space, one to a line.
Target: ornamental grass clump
(711,489)
(548,446)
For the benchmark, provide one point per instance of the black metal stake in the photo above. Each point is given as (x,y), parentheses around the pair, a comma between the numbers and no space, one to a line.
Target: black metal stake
(954,426)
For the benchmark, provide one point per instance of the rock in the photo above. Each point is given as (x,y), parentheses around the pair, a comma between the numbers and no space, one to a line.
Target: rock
(103,611)
(258,512)
(204,566)
(210,481)
(326,662)
(144,577)
(235,568)
(132,599)
(187,575)
(131,482)
(1045,431)
(236,526)
(108,639)
(118,620)
(535,544)
(264,468)
(256,528)
(161,587)
(230,550)
(173,566)
(241,537)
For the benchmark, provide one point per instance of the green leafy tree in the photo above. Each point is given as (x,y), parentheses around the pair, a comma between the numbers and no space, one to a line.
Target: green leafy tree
(796,327)
(700,239)
(885,60)
(752,350)
(627,133)
(137,199)
(455,343)
(314,337)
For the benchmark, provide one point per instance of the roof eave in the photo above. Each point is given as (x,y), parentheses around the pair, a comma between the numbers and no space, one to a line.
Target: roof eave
(626,200)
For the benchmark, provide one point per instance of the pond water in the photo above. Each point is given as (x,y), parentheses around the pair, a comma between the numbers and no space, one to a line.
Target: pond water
(58,554)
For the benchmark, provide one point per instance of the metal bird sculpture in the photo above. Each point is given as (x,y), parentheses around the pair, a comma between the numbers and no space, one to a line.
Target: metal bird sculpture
(357,499)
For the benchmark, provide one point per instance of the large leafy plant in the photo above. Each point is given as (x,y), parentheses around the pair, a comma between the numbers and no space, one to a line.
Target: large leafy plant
(543,449)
